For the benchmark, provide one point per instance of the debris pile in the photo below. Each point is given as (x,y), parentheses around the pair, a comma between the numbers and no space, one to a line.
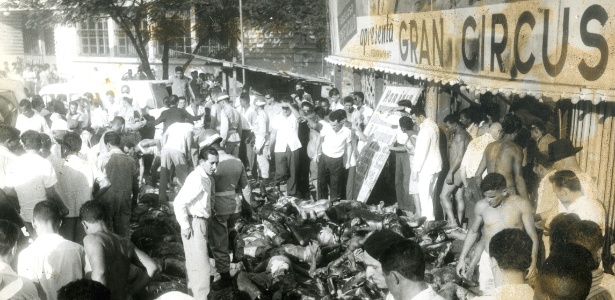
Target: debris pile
(297,249)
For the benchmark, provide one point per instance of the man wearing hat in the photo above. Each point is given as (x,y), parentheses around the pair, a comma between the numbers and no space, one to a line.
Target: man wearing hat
(231,183)
(260,128)
(229,125)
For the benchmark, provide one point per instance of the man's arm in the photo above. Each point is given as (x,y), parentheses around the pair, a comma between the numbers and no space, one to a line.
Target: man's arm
(272,136)
(11,196)
(458,142)
(318,148)
(527,216)
(135,183)
(139,258)
(189,191)
(348,154)
(96,256)
(518,173)
(52,195)
(420,154)
(470,238)
(483,164)
(160,119)
(245,186)
(224,127)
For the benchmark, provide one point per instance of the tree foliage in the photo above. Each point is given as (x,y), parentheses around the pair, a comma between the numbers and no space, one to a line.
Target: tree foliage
(306,20)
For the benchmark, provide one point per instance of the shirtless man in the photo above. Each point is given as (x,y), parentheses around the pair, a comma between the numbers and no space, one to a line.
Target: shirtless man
(497,211)
(460,139)
(506,157)
(109,256)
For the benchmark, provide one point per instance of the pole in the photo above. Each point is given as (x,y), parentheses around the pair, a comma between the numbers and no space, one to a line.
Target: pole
(243,62)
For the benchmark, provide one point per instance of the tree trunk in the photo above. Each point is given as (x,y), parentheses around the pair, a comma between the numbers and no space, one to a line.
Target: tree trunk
(165,59)
(196,50)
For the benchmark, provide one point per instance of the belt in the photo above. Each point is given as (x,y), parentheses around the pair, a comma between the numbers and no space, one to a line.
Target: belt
(196,217)
(227,193)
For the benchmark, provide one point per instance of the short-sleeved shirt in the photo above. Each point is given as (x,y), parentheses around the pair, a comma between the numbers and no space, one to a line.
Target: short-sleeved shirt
(6,158)
(119,168)
(587,209)
(260,127)
(179,137)
(181,87)
(287,133)
(194,198)
(30,174)
(36,123)
(171,116)
(53,262)
(334,143)
(510,292)
(15,287)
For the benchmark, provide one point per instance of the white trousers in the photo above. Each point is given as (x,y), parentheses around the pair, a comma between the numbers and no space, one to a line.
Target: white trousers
(197,259)
(486,282)
(426,186)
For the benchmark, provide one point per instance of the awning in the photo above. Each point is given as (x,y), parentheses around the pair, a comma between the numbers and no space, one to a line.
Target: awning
(283,74)
(478,85)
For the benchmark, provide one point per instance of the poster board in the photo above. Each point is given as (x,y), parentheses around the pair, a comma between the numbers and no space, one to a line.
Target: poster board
(382,131)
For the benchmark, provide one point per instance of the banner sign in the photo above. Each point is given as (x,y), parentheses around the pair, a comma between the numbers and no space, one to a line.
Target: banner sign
(564,42)
(382,130)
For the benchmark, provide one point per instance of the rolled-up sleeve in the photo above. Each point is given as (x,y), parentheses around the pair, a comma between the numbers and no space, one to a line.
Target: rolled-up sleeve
(188,193)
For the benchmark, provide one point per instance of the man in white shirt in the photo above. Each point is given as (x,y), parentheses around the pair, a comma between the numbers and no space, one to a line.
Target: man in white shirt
(335,100)
(248,115)
(260,128)
(284,138)
(229,126)
(359,102)
(75,185)
(567,187)
(510,252)
(12,285)
(176,154)
(403,266)
(30,120)
(50,261)
(32,179)
(427,162)
(9,139)
(335,144)
(192,209)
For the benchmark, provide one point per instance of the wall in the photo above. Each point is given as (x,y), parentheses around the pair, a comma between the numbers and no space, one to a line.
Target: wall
(11,37)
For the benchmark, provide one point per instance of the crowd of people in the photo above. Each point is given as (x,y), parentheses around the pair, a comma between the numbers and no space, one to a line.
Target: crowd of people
(70,178)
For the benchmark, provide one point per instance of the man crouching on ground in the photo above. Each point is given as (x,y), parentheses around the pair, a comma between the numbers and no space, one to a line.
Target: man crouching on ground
(499,210)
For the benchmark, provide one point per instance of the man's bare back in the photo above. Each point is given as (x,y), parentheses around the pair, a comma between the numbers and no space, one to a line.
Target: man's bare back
(109,257)
(459,144)
(506,158)
(509,214)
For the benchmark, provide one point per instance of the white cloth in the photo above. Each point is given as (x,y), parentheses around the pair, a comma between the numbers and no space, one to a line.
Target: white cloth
(53,262)
(427,294)
(287,133)
(426,186)
(29,175)
(199,111)
(247,117)
(179,137)
(194,198)
(334,143)
(15,287)
(333,106)
(510,292)
(474,154)
(6,158)
(36,123)
(427,158)
(75,182)
(486,281)
(174,295)
(587,209)
(99,118)
(367,113)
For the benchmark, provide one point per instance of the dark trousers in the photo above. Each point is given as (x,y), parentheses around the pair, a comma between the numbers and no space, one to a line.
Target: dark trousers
(219,227)
(402,180)
(330,175)
(286,164)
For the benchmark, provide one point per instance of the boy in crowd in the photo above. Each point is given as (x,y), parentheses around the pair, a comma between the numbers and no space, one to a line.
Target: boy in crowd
(499,210)
(109,256)
(50,261)
(563,276)
(12,286)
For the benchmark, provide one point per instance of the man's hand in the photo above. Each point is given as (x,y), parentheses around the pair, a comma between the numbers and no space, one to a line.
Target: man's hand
(532,271)
(267,154)
(461,268)
(316,158)
(415,176)
(187,233)
(449,178)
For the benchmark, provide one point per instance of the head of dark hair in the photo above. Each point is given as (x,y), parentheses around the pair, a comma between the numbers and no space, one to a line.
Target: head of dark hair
(25,103)
(452,119)
(74,103)
(511,124)
(113,138)
(268,92)
(406,258)
(360,95)
(493,182)
(544,161)
(512,249)
(324,101)
(287,99)
(47,211)
(118,122)
(110,93)
(587,234)
(72,142)
(566,179)
(418,111)
(562,277)
(470,113)
(45,141)
(206,152)
(348,99)
(84,289)
(179,69)
(8,133)
(333,92)
(379,240)
(9,234)
(31,140)
(244,96)
(320,112)
(308,105)
(558,231)
(405,103)
(127,99)
(37,101)
(93,211)
(538,124)
(337,115)
(582,256)
(406,123)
